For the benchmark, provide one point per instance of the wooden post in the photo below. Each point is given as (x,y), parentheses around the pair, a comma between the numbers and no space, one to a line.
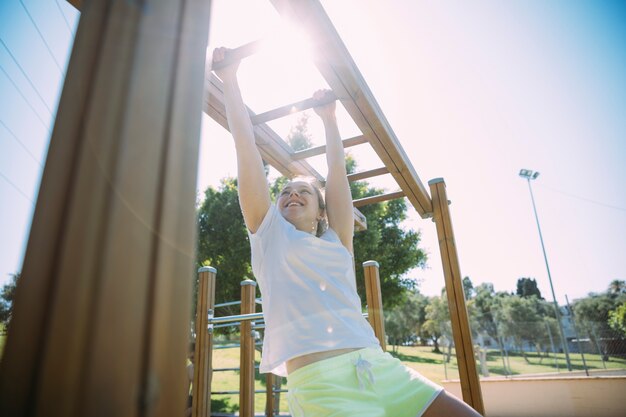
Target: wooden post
(246,359)
(203,368)
(101,312)
(470,385)
(269,394)
(374,301)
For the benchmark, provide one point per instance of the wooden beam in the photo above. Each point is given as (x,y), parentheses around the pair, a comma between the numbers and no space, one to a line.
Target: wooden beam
(345,79)
(288,109)
(368,174)
(112,236)
(319,150)
(377,198)
(461,332)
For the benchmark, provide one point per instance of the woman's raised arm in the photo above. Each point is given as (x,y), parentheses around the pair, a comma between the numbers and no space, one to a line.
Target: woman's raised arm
(338,197)
(254,195)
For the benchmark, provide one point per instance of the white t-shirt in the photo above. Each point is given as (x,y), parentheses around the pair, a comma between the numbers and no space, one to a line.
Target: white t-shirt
(310,303)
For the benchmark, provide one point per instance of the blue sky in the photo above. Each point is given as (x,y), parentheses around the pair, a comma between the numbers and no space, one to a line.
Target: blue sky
(474,92)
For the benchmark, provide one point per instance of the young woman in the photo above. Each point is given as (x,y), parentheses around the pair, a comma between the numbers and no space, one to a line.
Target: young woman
(302,259)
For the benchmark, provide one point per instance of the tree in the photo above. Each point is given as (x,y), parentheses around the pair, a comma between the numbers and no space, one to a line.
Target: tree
(403,323)
(592,315)
(520,319)
(468,288)
(617,287)
(223,242)
(527,287)
(6,300)
(438,322)
(617,319)
(385,241)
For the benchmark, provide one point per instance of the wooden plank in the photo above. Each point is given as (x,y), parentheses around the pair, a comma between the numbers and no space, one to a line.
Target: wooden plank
(105,224)
(319,150)
(470,384)
(344,78)
(377,198)
(357,176)
(288,109)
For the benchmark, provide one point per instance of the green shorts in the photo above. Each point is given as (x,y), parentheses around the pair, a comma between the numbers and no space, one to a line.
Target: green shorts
(364,383)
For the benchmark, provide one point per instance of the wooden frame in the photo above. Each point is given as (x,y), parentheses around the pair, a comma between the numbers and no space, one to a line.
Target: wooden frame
(101,313)
(101,217)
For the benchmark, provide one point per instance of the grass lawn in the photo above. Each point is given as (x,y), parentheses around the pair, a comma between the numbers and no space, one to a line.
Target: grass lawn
(420,358)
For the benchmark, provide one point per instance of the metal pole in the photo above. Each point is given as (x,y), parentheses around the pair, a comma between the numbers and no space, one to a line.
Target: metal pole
(557,311)
(582,354)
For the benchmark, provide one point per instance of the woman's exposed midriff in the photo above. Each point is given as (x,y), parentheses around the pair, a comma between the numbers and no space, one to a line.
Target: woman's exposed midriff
(300,361)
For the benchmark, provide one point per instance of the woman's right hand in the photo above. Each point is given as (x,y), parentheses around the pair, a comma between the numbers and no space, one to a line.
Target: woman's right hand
(229,71)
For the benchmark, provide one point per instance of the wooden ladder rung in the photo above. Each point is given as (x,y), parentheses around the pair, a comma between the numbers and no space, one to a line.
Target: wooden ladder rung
(283,111)
(368,174)
(319,150)
(377,198)
(238,54)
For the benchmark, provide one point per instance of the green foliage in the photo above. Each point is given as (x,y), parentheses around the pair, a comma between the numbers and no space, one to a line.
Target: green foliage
(617,287)
(404,322)
(527,287)
(468,288)
(7,295)
(223,242)
(437,321)
(385,241)
(617,319)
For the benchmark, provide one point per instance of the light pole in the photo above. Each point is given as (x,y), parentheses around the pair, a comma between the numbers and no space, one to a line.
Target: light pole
(530,175)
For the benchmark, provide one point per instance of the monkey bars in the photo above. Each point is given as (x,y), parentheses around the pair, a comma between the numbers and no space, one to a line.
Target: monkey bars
(101,310)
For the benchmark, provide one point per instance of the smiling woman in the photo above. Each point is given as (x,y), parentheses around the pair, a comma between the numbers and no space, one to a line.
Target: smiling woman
(304,192)
(315,333)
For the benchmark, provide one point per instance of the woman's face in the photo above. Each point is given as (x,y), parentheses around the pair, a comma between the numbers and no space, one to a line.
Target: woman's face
(299,204)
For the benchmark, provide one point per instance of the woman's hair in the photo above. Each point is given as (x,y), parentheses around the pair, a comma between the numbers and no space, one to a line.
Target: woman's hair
(322,224)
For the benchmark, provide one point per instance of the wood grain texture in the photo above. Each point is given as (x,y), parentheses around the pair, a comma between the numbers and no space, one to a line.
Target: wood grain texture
(461,332)
(100,325)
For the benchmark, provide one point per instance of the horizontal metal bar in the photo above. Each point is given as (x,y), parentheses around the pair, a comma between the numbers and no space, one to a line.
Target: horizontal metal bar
(234,303)
(231,369)
(283,111)
(367,174)
(237,317)
(259,391)
(377,198)
(319,150)
(234,345)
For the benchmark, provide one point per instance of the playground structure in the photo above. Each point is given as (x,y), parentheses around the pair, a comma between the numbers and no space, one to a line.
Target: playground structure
(99,325)
(249,322)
